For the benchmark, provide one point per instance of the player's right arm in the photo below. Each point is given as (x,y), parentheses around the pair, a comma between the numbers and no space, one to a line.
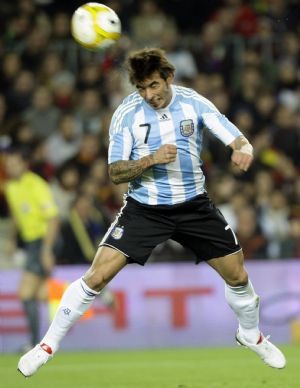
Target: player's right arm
(121,141)
(123,171)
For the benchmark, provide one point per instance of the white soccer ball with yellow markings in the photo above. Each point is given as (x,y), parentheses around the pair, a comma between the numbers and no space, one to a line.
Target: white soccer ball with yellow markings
(95,26)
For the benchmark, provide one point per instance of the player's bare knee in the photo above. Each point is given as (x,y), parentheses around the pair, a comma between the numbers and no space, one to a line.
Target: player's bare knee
(95,279)
(239,278)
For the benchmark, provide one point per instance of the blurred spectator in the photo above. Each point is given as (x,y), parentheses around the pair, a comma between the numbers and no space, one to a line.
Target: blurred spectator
(149,23)
(278,10)
(180,57)
(63,89)
(39,162)
(81,233)
(214,54)
(35,214)
(35,48)
(105,191)
(88,114)
(223,188)
(201,84)
(42,116)
(99,173)
(286,137)
(3,112)
(52,64)
(290,49)
(22,135)
(94,190)
(90,77)
(17,27)
(60,27)
(19,96)
(295,198)
(274,221)
(64,188)
(64,143)
(264,184)
(249,87)
(265,106)
(10,68)
(87,154)
(221,100)
(287,75)
(244,120)
(231,210)
(115,86)
(245,20)
(295,238)
(250,235)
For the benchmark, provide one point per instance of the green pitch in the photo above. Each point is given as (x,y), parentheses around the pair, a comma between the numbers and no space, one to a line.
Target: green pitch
(172,368)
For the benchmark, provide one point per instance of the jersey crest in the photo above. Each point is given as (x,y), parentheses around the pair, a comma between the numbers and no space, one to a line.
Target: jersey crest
(186,127)
(117,233)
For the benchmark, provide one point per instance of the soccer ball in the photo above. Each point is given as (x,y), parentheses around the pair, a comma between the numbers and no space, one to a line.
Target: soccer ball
(95,26)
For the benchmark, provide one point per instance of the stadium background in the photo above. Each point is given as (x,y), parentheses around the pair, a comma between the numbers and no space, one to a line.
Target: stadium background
(56,101)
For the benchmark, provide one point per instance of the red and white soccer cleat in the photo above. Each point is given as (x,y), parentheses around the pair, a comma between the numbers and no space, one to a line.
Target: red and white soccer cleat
(268,352)
(31,361)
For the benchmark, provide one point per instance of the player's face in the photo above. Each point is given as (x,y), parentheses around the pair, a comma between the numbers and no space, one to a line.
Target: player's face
(15,166)
(156,91)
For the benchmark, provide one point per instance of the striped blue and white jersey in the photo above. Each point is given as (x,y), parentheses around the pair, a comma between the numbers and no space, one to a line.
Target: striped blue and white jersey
(138,130)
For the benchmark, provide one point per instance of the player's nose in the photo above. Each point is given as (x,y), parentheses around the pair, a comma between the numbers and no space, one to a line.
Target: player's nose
(148,94)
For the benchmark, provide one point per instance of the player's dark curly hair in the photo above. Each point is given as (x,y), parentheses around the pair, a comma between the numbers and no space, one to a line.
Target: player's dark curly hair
(143,63)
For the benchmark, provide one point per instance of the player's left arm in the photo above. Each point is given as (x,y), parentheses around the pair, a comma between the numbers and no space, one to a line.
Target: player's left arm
(229,134)
(242,155)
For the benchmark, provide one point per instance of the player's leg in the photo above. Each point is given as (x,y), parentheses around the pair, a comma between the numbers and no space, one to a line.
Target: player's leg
(75,301)
(28,291)
(116,249)
(212,239)
(244,301)
(80,294)
(239,293)
(203,229)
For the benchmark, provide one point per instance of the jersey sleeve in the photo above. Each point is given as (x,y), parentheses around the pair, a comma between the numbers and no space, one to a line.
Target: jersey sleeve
(120,138)
(218,124)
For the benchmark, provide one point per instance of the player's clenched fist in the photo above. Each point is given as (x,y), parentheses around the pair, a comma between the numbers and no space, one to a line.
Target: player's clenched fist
(242,160)
(165,154)
(243,157)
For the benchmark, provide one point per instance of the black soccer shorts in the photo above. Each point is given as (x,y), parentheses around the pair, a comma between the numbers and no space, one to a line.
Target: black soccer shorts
(196,224)
(33,258)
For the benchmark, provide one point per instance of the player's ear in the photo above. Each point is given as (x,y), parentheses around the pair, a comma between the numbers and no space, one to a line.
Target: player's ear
(170,78)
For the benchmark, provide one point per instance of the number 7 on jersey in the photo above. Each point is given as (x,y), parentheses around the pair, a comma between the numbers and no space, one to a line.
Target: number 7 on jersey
(147,132)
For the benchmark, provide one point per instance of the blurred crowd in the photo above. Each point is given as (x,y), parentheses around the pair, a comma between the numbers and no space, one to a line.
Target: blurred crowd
(57,99)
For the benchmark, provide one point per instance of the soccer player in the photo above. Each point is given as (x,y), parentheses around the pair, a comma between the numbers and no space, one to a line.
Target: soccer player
(155,145)
(36,218)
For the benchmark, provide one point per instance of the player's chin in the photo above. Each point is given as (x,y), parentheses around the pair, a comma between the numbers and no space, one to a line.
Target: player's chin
(159,104)
(156,104)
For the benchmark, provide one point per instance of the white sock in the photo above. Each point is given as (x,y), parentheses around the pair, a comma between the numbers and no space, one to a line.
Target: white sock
(75,301)
(245,303)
